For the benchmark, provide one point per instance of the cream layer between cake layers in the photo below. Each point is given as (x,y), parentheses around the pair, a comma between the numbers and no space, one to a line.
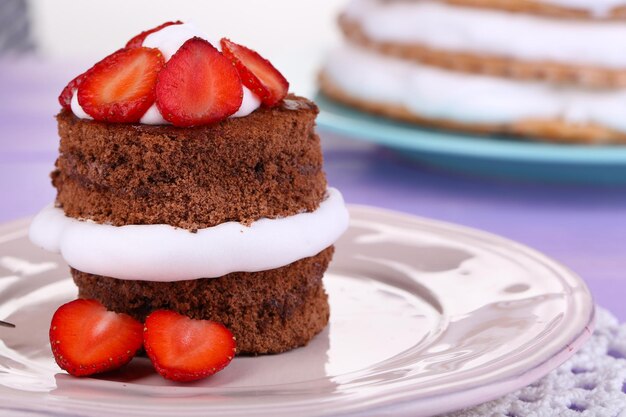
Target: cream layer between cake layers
(482,31)
(448,95)
(165,253)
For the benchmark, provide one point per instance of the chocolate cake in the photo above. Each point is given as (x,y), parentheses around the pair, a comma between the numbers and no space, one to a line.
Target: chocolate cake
(268,311)
(188,179)
(268,164)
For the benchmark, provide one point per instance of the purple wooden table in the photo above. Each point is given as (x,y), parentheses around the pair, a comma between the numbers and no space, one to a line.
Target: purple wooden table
(583,227)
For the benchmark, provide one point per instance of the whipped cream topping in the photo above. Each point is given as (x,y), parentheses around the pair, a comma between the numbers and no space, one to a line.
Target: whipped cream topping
(492,32)
(165,253)
(168,40)
(442,94)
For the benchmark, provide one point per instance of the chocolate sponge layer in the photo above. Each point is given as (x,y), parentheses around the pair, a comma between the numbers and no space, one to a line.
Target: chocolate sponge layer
(268,312)
(267,164)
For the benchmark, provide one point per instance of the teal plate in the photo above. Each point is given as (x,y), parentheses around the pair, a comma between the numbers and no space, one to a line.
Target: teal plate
(482,155)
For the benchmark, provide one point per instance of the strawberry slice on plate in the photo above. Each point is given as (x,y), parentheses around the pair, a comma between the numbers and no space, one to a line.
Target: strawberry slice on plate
(257,73)
(121,87)
(183,349)
(65,99)
(198,85)
(137,41)
(87,339)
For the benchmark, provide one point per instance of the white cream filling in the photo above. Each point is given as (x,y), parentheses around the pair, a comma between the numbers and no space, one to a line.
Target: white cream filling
(448,95)
(168,40)
(165,253)
(492,32)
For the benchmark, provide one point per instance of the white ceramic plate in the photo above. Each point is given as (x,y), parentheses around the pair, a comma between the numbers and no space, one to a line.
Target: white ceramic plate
(426,318)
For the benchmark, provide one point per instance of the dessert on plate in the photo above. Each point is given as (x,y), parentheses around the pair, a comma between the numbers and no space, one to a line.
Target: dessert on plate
(545,69)
(188,179)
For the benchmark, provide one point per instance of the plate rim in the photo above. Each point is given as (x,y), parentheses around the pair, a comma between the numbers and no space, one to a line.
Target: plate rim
(340,119)
(405,405)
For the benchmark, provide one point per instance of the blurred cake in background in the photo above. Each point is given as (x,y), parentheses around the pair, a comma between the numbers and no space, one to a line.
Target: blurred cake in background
(546,69)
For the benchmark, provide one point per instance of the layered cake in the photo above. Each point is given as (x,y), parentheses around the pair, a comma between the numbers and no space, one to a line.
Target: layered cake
(189,180)
(546,69)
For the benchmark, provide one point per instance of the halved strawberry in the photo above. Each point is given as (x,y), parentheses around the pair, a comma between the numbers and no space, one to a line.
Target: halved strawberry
(68,92)
(182,349)
(198,85)
(256,72)
(137,41)
(120,88)
(87,339)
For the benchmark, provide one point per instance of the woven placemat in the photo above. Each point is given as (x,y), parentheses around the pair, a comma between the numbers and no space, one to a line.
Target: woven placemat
(591,384)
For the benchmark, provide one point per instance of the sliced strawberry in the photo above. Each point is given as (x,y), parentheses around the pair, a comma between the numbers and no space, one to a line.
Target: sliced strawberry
(256,72)
(198,86)
(182,349)
(120,88)
(68,92)
(87,339)
(137,41)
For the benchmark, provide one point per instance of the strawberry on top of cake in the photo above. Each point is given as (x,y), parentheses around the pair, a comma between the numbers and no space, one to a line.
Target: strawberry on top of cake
(201,85)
